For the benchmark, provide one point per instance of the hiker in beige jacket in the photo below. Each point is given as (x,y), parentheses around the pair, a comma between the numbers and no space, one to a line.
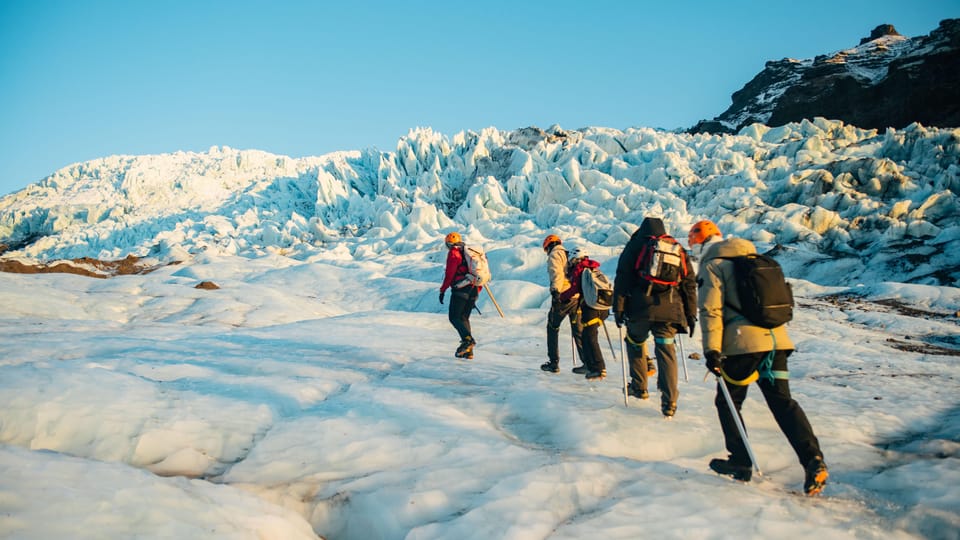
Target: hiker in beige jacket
(739,352)
(562,305)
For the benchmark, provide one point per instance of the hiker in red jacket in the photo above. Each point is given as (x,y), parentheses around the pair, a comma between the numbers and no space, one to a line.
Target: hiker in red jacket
(590,318)
(463,297)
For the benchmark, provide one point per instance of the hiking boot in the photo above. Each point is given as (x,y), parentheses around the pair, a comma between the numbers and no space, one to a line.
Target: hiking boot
(738,472)
(636,392)
(465,348)
(551,367)
(596,375)
(668,409)
(815,477)
(580,370)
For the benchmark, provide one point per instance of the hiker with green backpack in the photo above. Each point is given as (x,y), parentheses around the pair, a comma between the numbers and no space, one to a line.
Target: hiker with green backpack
(655,293)
(744,304)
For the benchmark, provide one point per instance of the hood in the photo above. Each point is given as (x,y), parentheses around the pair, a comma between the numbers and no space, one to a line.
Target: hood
(731,247)
(652,227)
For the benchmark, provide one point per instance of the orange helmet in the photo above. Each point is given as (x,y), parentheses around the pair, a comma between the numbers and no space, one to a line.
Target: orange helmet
(452,238)
(701,231)
(551,239)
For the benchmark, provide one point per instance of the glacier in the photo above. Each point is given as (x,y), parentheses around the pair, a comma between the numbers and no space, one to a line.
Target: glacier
(880,206)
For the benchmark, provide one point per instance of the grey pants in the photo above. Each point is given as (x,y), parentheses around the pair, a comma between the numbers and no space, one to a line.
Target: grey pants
(665,351)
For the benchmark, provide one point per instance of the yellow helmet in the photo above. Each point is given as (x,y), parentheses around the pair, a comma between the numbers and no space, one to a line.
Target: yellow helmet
(550,240)
(452,238)
(701,231)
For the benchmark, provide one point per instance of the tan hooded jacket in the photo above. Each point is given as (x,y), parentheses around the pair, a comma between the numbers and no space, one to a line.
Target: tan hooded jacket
(724,329)
(557,269)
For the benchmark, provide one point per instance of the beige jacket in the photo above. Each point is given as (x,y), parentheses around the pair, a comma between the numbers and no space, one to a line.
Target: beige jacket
(724,329)
(557,269)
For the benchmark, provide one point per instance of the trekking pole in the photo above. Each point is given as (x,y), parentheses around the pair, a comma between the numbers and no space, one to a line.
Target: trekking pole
(686,378)
(736,419)
(612,352)
(573,351)
(623,364)
(494,300)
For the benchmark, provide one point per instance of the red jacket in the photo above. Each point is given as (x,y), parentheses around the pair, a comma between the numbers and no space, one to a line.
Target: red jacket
(574,274)
(456,269)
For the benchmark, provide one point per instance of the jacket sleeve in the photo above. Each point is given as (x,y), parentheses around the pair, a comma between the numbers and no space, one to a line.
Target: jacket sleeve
(557,270)
(711,306)
(454,259)
(626,277)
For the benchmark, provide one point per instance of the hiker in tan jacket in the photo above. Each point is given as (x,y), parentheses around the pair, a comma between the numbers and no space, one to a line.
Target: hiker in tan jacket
(740,352)
(563,305)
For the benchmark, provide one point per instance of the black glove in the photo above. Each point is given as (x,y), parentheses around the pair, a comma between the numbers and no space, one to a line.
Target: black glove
(715,361)
(620,310)
(441,296)
(691,324)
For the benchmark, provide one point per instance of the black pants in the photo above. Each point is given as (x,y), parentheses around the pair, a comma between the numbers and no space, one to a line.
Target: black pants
(558,312)
(461,304)
(786,411)
(591,320)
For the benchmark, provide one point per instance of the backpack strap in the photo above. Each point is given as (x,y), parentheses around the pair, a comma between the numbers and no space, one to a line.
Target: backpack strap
(739,313)
(642,254)
(463,269)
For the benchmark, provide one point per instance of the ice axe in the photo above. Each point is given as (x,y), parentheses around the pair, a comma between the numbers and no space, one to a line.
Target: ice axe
(494,300)
(686,378)
(736,419)
(623,359)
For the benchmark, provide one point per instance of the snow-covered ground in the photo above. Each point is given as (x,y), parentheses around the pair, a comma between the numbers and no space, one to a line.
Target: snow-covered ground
(324,394)
(316,393)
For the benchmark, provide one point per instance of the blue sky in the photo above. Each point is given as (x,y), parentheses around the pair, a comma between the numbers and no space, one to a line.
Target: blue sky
(84,79)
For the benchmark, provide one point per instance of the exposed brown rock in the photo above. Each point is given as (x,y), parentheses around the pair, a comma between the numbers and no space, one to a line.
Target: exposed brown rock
(84,266)
(207,285)
(916,80)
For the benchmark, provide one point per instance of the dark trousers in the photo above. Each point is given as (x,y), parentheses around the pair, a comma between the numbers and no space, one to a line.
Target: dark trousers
(664,348)
(591,320)
(786,411)
(558,312)
(461,304)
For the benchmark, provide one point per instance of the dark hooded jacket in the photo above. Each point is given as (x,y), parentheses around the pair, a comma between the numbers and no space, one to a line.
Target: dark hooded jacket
(675,305)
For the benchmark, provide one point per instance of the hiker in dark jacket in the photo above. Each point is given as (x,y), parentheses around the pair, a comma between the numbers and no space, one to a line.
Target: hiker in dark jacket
(740,352)
(648,308)
(464,295)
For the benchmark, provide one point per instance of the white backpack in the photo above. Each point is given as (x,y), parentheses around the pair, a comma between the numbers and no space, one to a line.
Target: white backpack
(596,289)
(478,270)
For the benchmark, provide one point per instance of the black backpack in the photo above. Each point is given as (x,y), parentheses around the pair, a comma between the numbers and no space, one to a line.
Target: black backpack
(766,298)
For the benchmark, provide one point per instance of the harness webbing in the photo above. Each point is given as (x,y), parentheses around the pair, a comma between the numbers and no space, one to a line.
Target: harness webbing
(591,322)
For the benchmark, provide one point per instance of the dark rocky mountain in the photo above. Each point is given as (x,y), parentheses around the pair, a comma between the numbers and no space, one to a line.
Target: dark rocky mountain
(888,80)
